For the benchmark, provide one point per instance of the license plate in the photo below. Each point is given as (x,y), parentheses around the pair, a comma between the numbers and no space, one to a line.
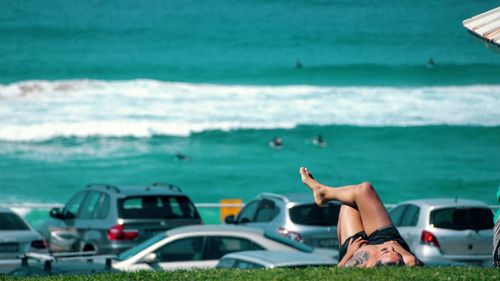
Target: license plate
(9,247)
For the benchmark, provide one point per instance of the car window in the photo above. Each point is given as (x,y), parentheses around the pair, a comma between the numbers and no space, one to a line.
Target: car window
(89,205)
(312,214)
(410,217)
(266,211)
(187,249)
(226,263)
(10,221)
(157,207)
(140,247)
(103,210)
(247,214)
(178,206)
(396,214)
(218,246)
(475,218)
(71,209)
(236,263)
(246,265)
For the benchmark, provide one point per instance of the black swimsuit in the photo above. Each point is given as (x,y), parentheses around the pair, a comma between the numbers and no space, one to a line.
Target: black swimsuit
(379,236)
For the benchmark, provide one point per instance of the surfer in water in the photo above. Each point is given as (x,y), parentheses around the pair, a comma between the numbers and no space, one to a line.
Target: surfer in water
(276,142)
(365,232)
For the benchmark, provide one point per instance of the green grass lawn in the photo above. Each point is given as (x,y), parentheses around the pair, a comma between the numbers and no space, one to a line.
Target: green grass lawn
(317,274)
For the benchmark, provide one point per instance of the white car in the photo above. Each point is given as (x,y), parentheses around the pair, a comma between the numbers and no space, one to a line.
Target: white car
(16,238)
(446,231)
(202,246)
(273,259)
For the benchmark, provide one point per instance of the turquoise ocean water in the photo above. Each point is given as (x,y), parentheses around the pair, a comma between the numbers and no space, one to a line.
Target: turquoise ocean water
(109,92)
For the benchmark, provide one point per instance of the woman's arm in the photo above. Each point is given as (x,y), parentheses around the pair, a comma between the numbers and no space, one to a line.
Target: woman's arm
(349,258)
(408,257)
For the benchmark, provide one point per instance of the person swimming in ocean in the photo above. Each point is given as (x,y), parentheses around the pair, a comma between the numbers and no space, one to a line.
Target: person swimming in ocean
(319,141)
(276,142)
(181,156)
(365,231)
(431,63)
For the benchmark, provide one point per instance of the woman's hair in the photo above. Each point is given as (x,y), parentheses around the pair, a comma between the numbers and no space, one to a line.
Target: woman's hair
(398,262)
(384,262)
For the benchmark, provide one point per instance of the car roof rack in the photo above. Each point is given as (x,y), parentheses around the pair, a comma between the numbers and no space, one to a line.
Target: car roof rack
(106,186)
(167,185)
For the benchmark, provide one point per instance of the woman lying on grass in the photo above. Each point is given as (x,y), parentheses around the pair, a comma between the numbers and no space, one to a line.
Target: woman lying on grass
(365,232)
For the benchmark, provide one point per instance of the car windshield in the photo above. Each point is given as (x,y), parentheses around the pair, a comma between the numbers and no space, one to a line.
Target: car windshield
(311,214)
(287,241)
(10,221)
(475,218)
(157,207)
(135,250)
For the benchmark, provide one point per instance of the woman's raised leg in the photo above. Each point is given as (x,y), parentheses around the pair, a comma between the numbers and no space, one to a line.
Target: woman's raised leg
(349,223)
(362,197)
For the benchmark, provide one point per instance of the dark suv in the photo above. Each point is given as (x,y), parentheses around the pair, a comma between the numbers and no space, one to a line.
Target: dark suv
(109,219)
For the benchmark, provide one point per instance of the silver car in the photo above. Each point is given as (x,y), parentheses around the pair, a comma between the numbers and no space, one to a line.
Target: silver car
(294,216)
(446,231)
(202,246)
(16,238)
(272,259)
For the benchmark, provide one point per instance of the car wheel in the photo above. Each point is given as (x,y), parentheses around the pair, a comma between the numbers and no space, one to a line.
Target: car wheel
(88,248)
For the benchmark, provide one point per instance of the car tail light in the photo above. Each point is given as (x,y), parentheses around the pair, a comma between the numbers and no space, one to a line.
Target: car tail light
(429,238)
(118,232)
(290,234)
(39,244)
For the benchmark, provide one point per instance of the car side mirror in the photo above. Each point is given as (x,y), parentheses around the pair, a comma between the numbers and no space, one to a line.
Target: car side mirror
(56,213)
(60,214)
(150,258)
(230,220)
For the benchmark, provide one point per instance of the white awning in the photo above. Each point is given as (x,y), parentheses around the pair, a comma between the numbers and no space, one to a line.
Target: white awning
(485,25)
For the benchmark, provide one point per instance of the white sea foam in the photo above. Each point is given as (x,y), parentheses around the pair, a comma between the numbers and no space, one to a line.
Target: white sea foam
(37,110)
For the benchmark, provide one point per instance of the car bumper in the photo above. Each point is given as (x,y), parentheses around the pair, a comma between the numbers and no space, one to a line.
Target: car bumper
(432,256)
(7,265)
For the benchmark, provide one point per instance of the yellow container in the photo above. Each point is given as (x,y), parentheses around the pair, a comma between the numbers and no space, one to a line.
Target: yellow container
(231,210)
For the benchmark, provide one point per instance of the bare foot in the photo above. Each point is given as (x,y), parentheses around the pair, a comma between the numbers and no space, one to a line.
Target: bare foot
(317,188)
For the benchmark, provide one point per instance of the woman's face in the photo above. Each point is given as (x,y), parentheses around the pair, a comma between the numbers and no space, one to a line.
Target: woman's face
(388,256)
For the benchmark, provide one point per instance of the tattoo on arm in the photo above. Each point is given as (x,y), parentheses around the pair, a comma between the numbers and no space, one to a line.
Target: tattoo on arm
(358,259)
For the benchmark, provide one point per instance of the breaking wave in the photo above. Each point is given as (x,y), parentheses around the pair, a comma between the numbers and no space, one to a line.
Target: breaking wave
(39,110)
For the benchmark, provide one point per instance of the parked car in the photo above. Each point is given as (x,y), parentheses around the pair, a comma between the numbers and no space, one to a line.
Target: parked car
(109,219)
(83,263)
(202,246)
(294,216)
(446,231)
(16,238)
(272,259)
